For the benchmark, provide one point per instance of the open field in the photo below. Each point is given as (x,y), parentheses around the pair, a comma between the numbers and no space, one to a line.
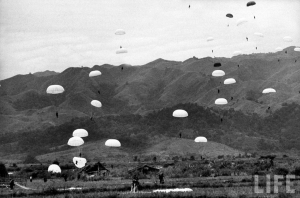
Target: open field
(231,186)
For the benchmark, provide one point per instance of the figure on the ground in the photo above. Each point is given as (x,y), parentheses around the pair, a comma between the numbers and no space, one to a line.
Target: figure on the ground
(76,162)
(122,68)
(120,46)
(56,114)
(179,135)
(212,51)
(278,60)
(45,179)
(218,90)
(256,48)
(112,166)
(79,154)
(135,184)
(30,178)
(98,92)
(221,119)
(238,65)
(65,177)
(12,184)
(254,17)
(189,6)
(269,107)
(91,118)
(231,98)
(247,38)
(286,52)
(161,178)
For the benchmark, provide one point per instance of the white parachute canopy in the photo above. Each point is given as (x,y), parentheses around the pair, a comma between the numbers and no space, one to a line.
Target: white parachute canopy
(55,89)
(200,139)
(80,133)
(54,168)
(218,73)
(269,90)
(180,113)
(79,162)
(221,101)
(121,51)
(287,39)
(94,73)
(173,190)
(75,141)
(235,53)
(210,39)
(241,21)
(229,81)
(259,34)
(297,49)
(96,103)
(112,143)
(119,32)
(278,49)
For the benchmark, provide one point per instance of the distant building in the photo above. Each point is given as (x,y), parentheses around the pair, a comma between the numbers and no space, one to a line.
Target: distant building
(96,169)
(144,169)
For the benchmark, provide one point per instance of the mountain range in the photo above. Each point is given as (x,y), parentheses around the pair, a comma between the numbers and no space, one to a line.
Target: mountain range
(25,106)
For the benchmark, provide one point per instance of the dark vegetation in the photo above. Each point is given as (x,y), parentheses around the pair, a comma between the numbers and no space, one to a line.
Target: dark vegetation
(135,131)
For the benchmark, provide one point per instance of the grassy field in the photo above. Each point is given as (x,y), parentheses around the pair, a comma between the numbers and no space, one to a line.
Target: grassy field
(233,186)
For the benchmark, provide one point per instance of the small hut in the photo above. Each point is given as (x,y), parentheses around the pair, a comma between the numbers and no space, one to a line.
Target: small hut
(97,170)
(144,169)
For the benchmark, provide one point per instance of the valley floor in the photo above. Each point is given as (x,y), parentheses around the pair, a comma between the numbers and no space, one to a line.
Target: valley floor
(211,187)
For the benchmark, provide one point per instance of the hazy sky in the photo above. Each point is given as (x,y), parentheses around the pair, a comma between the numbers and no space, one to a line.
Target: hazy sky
(38,35)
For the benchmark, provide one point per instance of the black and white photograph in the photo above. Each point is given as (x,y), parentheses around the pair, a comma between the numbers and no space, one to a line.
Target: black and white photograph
(150,98)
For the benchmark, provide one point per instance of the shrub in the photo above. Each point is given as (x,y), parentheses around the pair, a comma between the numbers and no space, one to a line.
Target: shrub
(297,171)
(281,171)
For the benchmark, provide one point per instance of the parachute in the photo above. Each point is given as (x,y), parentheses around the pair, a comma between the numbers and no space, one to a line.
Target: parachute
(95,73)
(112,143)
(120,32)
(241,21)
(221,101)
(229,15)
(251,3)
(96,103)
(79,162)
(297,49)
(218,73)
(180,113)
(236,53)
(121,51)
(55,89)
(54,168)
(229,81)
(209,39)
(287,39)
(80,133)
(200,139)
(269,90)
(217,65)
(258,34)
(173,190)
(75,141)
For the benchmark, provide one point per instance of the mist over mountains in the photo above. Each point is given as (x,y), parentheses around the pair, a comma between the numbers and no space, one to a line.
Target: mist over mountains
(154,89)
